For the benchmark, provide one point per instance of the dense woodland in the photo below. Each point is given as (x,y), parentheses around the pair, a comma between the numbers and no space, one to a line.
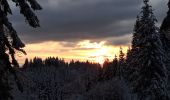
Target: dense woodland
(55,79)
(143,74)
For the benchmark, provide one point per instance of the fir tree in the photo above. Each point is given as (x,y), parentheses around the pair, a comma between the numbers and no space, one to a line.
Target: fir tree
(132,53)
(136,38)
(121,65)
(115,65)
(165,38)
(26,64)
(165,24)
(148,77)
(127,64)
(9,40)
(108,70)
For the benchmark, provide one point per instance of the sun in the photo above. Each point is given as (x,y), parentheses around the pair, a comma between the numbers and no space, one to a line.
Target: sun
(100,55)
(100,59)
(97,59)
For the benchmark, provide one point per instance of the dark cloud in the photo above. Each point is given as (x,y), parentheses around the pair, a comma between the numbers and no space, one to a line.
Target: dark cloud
(118,43)
(120,40)
(74,20)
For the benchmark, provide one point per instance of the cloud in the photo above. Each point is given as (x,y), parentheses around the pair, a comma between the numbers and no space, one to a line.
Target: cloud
(63,20)
(120,41)
(76,20)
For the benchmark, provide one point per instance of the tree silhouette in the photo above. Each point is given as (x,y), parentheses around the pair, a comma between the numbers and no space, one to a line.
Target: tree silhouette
(149,79)
(121,65)
(165,24)
(165,30)
(132,54)
(9,40)
(165,38)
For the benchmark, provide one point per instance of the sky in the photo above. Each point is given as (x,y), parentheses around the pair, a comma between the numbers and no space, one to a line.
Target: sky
(82,29)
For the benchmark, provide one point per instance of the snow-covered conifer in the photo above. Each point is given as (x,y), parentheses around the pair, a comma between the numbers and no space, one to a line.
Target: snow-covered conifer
(149,75)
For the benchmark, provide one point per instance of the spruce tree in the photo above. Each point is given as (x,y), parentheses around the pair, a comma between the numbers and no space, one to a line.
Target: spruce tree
(131,61)
(9,40)
(121,65)
(136,38)
(26,64)
(106,69)
(148,78)
(115,65)
(165,24)
(127,64)
(165,38)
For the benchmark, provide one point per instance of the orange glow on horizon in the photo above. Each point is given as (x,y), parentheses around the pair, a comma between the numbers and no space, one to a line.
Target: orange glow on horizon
(84,50)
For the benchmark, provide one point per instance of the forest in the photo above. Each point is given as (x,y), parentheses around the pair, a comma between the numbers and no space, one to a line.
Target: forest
(142,73)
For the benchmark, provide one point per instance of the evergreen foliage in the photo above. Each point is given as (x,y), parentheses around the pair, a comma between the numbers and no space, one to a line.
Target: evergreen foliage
(115,65)
(108,70)
(59,80)
(121,66)
(144,67)
(148,77)
(165,24)
(9,40)
(165,38)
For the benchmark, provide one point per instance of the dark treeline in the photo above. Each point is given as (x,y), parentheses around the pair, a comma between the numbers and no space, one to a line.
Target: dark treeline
(108,69)
(55,79)
(143,74)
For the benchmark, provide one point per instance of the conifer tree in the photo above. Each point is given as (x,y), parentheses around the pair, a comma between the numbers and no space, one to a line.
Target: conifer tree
(165,38)
(26,64)
(165,32)
(136,38)
(106,69)
(115,65)
(165,24)
(9,40)
(121,65)
(148,78)
(127,64)
(132,53)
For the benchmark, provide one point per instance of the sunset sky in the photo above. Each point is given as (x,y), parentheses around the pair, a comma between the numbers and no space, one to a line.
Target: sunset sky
(82,29)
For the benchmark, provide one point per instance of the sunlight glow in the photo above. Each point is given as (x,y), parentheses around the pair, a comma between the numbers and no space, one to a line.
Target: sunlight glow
(89,44)
(84,50)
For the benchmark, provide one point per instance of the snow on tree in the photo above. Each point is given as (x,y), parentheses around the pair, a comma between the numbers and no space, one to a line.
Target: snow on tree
(54,79)
(165,38)
(9,40)
(132,54)
(165,34)
(127,64)
(165,24)
(113,89)
(148,78)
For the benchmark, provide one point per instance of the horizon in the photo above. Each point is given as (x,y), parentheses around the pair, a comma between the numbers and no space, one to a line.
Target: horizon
(85,50)
(69,34)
